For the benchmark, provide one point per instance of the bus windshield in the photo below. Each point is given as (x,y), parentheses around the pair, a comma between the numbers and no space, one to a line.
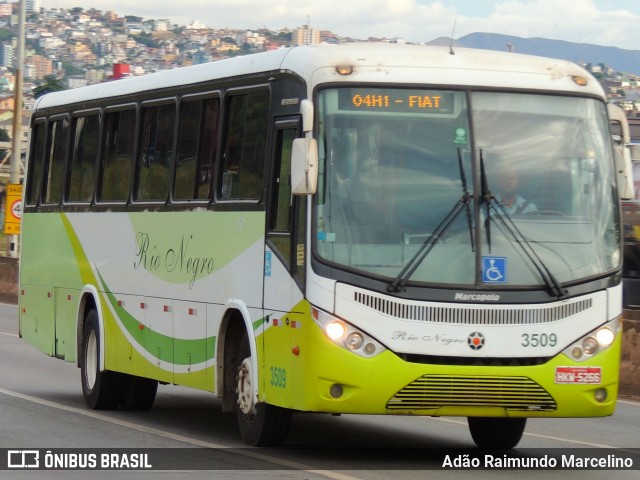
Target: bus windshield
(473,188)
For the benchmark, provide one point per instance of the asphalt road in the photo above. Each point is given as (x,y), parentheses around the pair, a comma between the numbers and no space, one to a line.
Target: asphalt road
(41,407)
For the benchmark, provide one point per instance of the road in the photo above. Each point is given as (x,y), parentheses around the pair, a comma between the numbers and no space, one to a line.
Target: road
(41,407)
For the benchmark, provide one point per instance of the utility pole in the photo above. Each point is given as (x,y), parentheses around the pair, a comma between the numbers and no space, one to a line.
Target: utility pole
(14,173)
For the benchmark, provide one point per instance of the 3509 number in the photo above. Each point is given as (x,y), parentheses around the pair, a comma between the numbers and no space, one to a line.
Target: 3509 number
(278,377)
(533,340)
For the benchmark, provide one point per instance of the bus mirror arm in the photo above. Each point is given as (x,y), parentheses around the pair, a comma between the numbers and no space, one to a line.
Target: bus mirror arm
(306,110)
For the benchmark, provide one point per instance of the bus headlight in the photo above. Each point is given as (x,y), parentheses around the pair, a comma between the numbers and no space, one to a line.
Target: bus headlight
(593,342)
(354,341)
(335,330)
(346,335)
(605,337)
(589,345)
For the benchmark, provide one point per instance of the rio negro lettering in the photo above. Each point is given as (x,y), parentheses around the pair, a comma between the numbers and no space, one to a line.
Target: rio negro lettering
(179,259)
(442,338)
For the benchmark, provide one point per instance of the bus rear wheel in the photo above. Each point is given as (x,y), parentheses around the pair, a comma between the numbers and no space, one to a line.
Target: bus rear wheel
(496,433)
(101,389)
(260,424)
(138,393)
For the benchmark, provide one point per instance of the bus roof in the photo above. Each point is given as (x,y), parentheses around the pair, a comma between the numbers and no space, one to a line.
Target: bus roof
(371,62)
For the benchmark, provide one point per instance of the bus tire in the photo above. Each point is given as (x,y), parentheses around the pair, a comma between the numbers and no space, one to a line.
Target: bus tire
(496,433)
(138,393)
(261,424)
(101,390)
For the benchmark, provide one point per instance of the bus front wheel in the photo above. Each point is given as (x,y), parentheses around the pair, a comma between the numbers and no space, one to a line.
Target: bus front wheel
(496,433)
(260,424)
(101,389)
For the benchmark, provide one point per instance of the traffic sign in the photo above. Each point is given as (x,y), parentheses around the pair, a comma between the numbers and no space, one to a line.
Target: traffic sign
(13,209)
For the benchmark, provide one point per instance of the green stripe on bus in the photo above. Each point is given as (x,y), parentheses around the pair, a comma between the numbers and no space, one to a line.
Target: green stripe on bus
(258,323)
(86,274)
(171,349)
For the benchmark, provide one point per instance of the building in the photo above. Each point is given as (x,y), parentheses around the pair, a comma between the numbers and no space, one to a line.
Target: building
(162,25)
(305,36)
(6,9)
(77,81)
(34,6)
(43,66)
(197,25)
(6,56)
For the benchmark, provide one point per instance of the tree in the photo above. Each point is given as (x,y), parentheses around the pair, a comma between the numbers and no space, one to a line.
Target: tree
(70,69)
(6,35)
(49,84)
(4,137)
(147,40)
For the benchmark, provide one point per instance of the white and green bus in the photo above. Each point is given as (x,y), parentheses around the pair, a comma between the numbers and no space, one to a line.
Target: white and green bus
(326,229)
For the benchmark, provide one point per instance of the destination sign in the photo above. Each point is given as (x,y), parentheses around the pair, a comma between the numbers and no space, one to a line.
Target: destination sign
(396,100)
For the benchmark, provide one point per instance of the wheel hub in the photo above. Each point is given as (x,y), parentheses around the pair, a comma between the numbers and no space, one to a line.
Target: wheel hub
(244,390)
(91,360)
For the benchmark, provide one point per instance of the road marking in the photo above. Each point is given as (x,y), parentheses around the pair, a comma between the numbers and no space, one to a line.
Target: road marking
(10,334)
(177,437)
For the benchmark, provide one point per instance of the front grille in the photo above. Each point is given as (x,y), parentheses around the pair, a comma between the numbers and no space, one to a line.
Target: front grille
(473,361)
(434,391)
(468,315)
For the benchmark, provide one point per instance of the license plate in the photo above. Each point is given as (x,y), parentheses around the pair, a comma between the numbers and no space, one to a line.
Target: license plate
(578,374)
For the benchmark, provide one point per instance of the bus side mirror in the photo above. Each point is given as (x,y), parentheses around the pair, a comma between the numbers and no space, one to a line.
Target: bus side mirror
(624,169)
(304,166)
(622,152)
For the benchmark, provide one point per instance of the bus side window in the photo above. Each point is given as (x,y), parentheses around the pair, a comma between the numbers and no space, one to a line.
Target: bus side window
(56,161)
(36,163)
(245,149)
(155,153)
(280,208)
(197,148)
(118,141)
(83,158)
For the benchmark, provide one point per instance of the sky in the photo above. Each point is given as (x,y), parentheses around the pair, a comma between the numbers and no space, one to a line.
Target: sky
(600,22)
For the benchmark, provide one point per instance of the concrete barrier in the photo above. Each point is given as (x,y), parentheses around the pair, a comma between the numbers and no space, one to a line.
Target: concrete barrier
(630,364)
(629,369)
(9,280)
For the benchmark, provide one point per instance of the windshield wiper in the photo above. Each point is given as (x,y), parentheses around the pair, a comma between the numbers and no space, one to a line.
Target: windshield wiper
(466,196)
(490,201)
(486,197)
(409,269)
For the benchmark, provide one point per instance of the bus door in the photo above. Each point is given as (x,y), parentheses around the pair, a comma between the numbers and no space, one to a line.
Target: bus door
(284,268)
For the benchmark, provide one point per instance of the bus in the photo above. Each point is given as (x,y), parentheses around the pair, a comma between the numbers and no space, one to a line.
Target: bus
(325,229)
(626,144)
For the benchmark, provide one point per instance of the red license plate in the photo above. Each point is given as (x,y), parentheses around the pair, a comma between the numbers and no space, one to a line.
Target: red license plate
(578,375)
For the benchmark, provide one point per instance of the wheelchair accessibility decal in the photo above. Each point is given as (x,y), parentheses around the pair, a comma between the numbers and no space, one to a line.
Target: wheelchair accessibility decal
(494,269)
(267,264)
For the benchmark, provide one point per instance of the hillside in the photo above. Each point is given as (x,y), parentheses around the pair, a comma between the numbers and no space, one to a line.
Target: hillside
(621,60)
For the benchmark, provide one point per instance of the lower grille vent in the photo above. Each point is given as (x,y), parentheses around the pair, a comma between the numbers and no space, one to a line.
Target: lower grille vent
(434,391)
